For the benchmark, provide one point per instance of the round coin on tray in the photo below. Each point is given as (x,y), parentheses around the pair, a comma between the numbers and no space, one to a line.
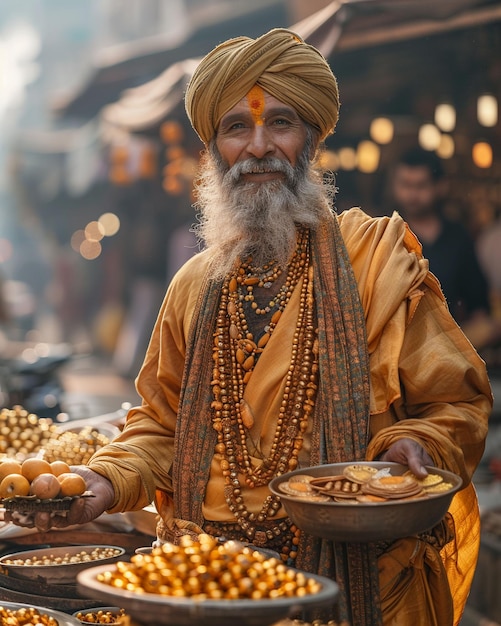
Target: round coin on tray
(378,507)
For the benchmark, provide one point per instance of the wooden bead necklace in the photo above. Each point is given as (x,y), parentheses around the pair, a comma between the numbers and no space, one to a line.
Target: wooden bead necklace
(234,356)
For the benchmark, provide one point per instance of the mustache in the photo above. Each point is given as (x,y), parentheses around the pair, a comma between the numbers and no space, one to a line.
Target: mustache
(259,166)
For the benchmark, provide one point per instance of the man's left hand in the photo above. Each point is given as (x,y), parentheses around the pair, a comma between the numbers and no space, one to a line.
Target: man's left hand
(409,452)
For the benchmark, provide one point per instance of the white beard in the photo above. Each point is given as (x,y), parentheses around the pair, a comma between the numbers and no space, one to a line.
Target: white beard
(258,219)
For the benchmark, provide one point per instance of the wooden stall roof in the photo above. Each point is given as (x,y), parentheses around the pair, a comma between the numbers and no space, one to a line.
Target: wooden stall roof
(340,30)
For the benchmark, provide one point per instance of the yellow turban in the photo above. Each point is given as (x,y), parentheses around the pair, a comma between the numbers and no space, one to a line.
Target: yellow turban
(280,62)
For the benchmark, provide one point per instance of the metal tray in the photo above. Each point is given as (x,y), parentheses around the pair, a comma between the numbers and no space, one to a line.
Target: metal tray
(366,522)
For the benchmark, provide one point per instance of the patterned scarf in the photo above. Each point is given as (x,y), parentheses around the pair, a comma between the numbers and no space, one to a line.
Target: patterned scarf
(341,418)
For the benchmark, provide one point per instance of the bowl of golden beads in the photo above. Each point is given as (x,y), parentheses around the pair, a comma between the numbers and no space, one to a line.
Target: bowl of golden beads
(13,613)
(24,434)
(366,501)
(58,565)
(205,581)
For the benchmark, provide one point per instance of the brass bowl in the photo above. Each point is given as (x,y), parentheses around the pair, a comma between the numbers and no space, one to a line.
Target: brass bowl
(151,608)
(57,573)
(367,521)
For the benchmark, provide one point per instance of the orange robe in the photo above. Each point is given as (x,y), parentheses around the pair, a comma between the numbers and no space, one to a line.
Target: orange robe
(427,383)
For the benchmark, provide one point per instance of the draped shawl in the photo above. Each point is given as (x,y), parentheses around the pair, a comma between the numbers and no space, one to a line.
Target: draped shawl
(340,423)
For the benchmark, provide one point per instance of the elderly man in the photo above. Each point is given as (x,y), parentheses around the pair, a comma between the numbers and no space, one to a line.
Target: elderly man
(297,337)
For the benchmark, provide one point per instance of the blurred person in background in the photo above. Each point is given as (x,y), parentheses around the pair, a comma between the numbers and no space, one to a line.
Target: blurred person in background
(418,189)
(489,254)
(298,337)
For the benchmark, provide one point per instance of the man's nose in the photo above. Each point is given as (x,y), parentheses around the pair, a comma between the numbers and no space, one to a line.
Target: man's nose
(260,144)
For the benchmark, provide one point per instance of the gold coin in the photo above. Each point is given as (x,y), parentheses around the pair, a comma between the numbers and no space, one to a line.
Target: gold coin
(300,487)
(301,478)
(394,483)
(290,490)
(359,473)
(440,488)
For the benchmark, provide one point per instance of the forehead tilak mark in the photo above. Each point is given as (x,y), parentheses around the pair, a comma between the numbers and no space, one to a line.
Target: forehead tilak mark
(255,98)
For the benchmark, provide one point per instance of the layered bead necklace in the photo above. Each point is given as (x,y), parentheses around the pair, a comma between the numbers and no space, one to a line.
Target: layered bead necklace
(235,354)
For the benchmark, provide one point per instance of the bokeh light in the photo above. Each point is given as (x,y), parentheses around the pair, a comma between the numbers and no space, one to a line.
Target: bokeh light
(429,137)
(90,249)
(328,161)
(110,224)
(487,110)
(94,231)
(76,240)
(482,154)
(382,130)
(445,117)
(368,156)
(446,147)
(347,158)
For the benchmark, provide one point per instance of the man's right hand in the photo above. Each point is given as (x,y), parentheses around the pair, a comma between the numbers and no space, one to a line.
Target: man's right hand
(82,510)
